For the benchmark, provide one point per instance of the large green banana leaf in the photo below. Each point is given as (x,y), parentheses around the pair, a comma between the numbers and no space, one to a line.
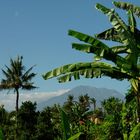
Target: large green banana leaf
(126,35)
(65,125)
(131,21)
(128,6)
(87,38)
(112,35)
(109,34)
(1,134)
(106,53)
(120,49)
(119,32)
(97,47)
(87,70)
(118,24)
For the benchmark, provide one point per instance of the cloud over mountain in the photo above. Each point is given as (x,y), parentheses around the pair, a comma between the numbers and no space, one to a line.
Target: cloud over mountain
(8,100)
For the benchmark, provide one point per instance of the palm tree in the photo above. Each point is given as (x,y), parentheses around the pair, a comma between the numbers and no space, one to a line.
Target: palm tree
(122,67)
(69,104)
(16,78)
(112,105)
(93,101)
(84,102)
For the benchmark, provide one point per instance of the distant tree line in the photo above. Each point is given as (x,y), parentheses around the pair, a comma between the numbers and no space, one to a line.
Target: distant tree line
(83,117)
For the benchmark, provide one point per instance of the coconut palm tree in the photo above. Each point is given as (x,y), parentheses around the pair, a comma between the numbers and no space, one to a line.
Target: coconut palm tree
(93,101)
(69,103)
(123,59)
(16,78)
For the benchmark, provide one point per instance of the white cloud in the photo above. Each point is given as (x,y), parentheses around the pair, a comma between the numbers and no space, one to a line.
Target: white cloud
(8,100)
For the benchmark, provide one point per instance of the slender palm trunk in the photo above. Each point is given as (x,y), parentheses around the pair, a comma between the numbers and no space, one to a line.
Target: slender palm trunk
(94,104)
(17,99)
(138,108)
(138,102)
(137,98)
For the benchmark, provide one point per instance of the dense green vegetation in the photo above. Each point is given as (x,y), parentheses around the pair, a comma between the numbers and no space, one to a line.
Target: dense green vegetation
(62,122)
(76,120)
(82,119)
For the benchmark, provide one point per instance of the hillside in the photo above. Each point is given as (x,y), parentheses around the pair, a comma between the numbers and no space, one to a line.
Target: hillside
(98,93)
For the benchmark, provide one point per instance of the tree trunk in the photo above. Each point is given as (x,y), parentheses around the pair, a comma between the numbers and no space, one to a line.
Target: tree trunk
(94,104)
(138,101)
(17,99)
(138,108)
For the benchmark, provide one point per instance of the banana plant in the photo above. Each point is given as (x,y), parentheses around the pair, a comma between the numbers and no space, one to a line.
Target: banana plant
(124,58)
(66,128)
(1,134)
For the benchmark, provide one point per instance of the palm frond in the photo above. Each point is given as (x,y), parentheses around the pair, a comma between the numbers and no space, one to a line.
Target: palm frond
(16,66)
(28,86)
(14,77)
(5,84)
(9,71)
(27,75)
(6,74)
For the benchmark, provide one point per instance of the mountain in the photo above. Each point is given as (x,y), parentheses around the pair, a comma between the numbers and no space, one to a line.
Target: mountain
(98,93)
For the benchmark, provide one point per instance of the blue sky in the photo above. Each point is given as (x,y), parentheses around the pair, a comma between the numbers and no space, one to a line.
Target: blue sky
(37,30)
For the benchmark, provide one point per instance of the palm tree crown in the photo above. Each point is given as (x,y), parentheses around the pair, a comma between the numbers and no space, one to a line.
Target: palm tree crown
(16,77)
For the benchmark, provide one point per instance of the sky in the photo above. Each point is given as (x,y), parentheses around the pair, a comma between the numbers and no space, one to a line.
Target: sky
(38,31)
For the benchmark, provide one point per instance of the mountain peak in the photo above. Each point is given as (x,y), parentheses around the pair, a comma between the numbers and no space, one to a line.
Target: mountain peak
(98,93)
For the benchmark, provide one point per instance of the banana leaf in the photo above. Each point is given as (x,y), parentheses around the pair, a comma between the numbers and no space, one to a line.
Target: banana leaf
(65,125)
(120,49)
(131,21)
(102,52)
(86,38)
(109,34)
(1,134)
(87,70)
(128,6)
(118,24)
(75,137)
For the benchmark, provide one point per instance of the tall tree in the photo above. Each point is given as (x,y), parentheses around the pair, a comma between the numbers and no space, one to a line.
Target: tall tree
(27,118)
(84,103)
(112,105)
(122,67)
(69,103)
(93,101)
(16,78)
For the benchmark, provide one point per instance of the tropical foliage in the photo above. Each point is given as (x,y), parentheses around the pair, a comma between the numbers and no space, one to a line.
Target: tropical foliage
(123,59)
(82,119)
(58,123)
(16,77)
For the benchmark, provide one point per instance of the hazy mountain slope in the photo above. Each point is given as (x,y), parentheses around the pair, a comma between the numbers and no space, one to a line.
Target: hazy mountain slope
(98,93)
